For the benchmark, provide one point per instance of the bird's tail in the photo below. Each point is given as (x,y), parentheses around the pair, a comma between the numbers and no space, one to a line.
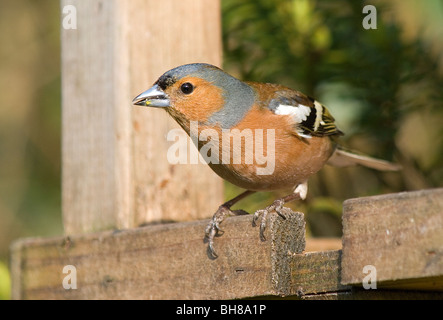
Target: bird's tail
(346,158)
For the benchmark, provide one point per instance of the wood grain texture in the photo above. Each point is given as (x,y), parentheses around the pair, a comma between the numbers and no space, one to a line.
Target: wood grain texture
(401,235)
(317,276)
(114,168)
(168,261)
(316,272)
(164,35)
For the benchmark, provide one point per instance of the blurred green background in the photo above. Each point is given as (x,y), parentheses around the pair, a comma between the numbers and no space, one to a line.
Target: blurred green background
(383,86)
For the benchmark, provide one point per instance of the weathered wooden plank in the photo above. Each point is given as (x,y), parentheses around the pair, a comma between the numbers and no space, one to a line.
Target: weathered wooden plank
(316,272)
(317,275)
(168,261)
(115,171)
(401,235)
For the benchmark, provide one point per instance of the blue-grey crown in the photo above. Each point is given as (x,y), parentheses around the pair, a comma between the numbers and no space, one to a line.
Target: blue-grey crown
(238,96)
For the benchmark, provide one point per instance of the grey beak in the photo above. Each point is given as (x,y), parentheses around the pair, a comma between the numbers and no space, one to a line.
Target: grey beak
(153,97)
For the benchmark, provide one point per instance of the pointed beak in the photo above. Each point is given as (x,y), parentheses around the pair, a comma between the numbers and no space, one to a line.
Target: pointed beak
(153,97)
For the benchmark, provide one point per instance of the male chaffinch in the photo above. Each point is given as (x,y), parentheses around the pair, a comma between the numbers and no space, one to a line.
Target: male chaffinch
(303,140)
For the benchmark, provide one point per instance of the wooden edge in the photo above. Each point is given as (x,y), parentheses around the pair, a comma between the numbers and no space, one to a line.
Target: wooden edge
(316,272)
(323,244)
(316,276)
(423,283)
(394,240)
(168,261)
(16,267)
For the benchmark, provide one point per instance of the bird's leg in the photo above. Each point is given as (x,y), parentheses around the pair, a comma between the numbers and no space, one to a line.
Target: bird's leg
(224,210)
(299,193)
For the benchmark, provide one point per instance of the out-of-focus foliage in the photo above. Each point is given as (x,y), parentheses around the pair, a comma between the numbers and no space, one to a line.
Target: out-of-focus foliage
(29,121)
(383,87)
(5,282)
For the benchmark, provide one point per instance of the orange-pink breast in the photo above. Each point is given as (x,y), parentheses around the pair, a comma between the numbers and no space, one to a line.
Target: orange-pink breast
(280,158)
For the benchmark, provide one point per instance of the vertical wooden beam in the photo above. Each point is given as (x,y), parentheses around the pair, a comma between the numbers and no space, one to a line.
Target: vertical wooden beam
(165,34)
(115,171)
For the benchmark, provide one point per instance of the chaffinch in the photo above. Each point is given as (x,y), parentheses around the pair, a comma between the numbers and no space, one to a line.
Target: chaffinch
(301,134)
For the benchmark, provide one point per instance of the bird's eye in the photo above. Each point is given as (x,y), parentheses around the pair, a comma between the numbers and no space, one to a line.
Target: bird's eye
(187,88)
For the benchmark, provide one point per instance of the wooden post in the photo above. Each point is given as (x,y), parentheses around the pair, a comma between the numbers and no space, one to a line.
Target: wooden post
(115,171)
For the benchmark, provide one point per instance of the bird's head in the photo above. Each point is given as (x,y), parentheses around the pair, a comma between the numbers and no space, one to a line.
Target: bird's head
(199,92)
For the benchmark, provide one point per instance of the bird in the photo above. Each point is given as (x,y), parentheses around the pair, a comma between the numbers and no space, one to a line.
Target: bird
(301,135)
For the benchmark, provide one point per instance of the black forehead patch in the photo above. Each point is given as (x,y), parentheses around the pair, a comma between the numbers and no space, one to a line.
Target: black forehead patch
(166,81)
(202,70)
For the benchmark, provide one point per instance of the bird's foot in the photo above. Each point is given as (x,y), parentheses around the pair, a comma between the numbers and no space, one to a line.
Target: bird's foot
(213,228)
(276,206)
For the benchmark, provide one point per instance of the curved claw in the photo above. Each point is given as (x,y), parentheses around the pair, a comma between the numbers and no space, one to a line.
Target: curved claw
(263,226)
(256,216)
(210,233)
(263,213)
(276,206)
(211,249)
(213,228)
